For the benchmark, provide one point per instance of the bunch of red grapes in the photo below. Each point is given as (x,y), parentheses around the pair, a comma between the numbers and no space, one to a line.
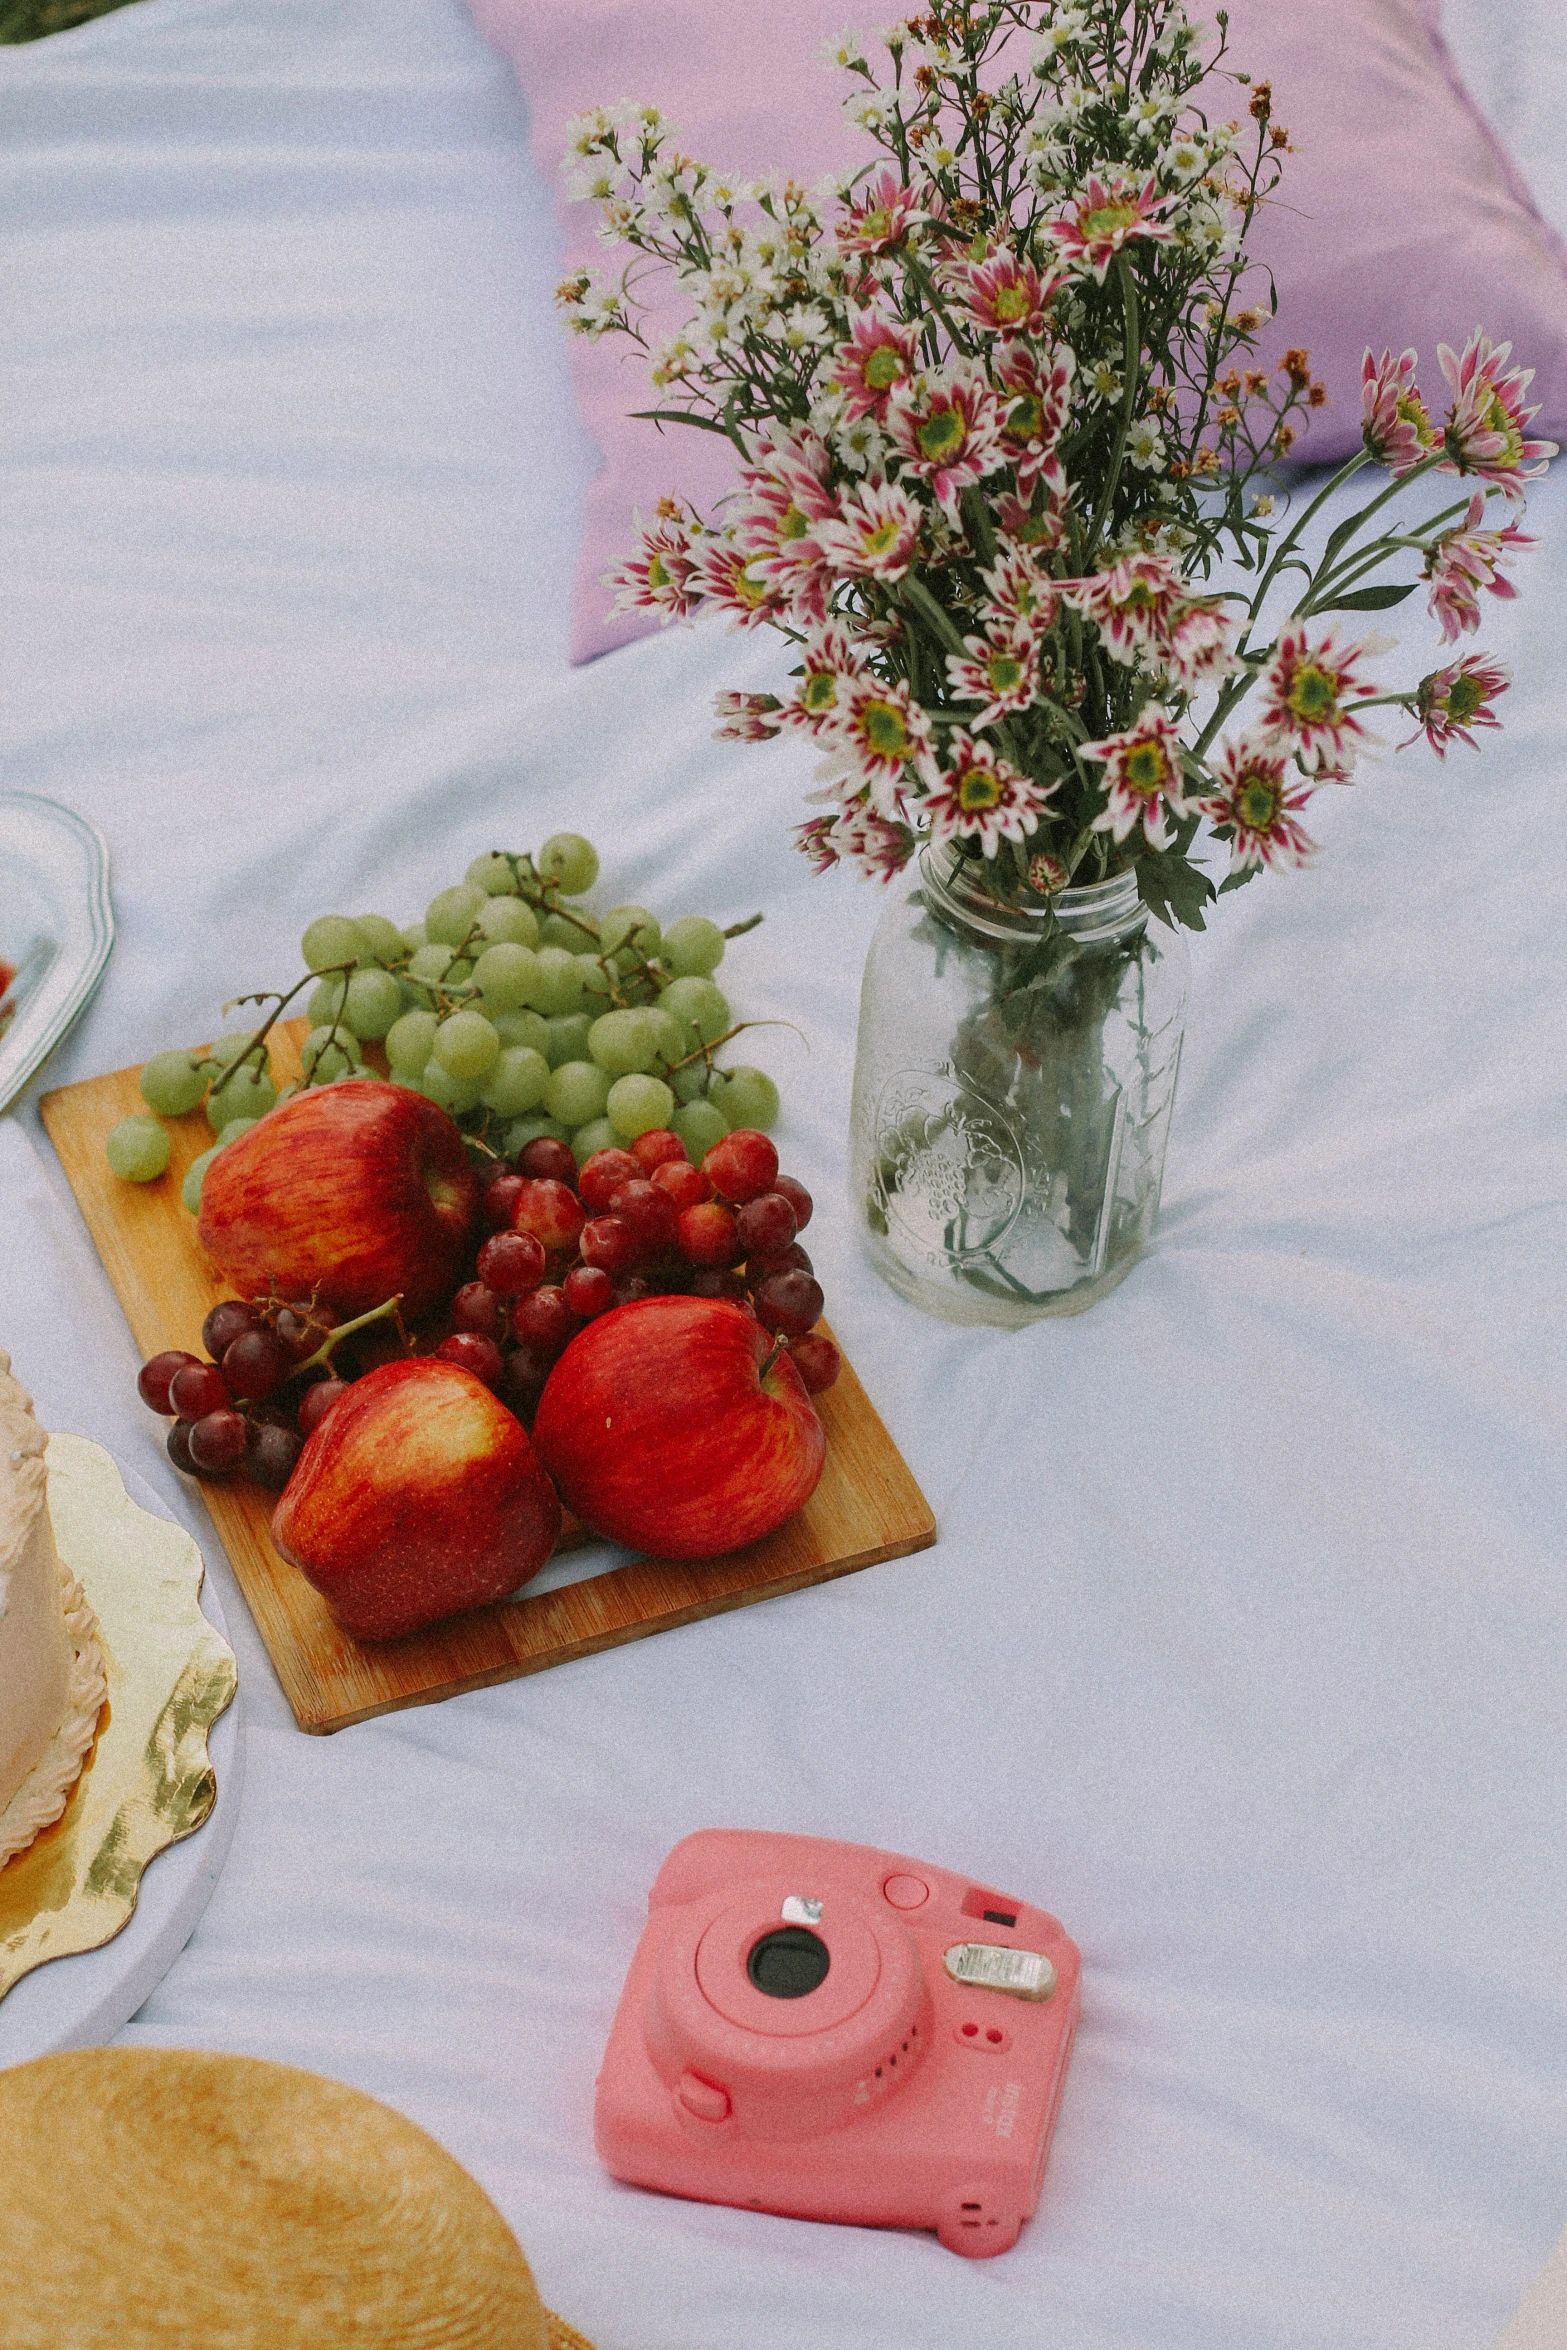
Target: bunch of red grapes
(563,1245)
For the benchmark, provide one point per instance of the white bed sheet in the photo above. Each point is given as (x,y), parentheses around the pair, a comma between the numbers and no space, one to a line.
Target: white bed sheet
(1243,1646)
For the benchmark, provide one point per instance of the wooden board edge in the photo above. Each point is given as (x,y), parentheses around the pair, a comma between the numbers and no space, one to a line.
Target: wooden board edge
(622,1635)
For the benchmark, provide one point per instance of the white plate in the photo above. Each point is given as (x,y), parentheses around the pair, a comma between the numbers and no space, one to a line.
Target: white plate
(56,928)
(81,2001)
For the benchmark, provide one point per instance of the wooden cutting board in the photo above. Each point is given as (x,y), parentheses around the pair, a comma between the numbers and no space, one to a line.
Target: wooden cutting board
(866,1508)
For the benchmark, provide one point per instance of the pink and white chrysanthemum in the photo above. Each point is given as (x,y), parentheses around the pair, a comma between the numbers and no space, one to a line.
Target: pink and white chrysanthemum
(871,844)
(746,718)
(1040,533)
(664,574)
(814,840)
(1464,561)
(1200,644)
(1107,217)
(883,212)
(1036,401)
(833,661)
(1394,423)
(870,366)
(774,513)
(1134,605)
(885,733)
(1257,806)
(1006,295)
(726,578)
(1143,783)
(1022,593)
(1450,701)
(875,534)
(1306,693)
(1487,424)
(1000,671)
(978,795)
(947,429)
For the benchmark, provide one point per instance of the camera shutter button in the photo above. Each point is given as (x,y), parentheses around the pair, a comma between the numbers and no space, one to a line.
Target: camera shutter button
(702,2098)
(906,1892)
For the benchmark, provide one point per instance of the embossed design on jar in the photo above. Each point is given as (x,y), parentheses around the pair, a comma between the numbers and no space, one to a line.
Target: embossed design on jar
(949,1165)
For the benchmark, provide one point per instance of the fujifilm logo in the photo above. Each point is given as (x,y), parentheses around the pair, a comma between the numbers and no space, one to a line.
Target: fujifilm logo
(1001,2108)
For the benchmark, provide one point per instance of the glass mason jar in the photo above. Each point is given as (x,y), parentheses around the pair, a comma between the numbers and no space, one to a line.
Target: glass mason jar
(1012,1092)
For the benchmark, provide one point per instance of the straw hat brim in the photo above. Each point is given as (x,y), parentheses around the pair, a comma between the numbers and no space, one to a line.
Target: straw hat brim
(158,2196)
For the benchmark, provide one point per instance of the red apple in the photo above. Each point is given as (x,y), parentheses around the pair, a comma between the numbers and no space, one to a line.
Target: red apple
(660,1431)
(417,1495)
(349,1193)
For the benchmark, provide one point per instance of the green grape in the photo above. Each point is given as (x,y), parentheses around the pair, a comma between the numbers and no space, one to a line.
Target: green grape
(459,969)
(415,935)
(577,1091)
(138,1148)
(228,1049)
(246,1092)
(195,1175)
(430,964)
(595,979)
(452,1094)
(493,874)
(466,1046)
(415,997)
(234,1129)
(559,986)
(629,926)
(357,1075)
(326,999)
(383,940)
(173,1083)
(637,1104)
(411,1080)
(373,1002)
(569,1033)
(597,1135)
(745,1097)
(526,1130)
(700,1004)
(693,947)
(517,1081)
(668,1034)
(507,975)
(623,1043)
(448,917)
(570,862)
(689,1083)
(507,921)
(331,938)
(699,1126)
(410,1041)
(522,1028)
(327,1052)
(558,930)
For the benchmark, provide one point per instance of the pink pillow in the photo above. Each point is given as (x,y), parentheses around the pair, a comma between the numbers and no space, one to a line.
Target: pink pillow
(1404,221)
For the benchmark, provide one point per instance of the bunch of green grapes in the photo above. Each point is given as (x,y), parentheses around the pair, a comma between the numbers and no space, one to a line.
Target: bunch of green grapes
(510,1004)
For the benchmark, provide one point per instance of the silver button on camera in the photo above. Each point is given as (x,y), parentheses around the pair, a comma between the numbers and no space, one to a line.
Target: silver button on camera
(800,1910)
(986,1966)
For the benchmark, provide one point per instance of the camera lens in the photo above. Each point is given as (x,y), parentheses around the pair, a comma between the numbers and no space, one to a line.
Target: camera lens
(789,1963)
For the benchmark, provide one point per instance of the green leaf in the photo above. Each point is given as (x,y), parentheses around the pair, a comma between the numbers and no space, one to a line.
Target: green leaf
(1173,889)
(1240,879)
(1377,599)
(680,416)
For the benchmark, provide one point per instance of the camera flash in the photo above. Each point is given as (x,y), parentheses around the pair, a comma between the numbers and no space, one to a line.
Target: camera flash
(1021,1974)
(800,1910)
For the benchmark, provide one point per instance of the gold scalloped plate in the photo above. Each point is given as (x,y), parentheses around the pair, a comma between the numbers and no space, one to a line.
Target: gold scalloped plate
(148,1779)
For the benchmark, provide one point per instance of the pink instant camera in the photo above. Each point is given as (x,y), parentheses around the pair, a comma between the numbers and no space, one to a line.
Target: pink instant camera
(837,2033)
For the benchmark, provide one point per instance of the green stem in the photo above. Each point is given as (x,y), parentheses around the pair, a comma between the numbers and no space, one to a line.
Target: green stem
(323,1353)
(1134,345)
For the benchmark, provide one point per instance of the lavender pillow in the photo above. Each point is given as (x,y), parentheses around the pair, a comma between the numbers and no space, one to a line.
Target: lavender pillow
(1403,221)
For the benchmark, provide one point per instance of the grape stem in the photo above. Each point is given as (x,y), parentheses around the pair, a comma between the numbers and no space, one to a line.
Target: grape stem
(323,1354)
(778,1349)
(705,1052)
(262,995)
(739,929)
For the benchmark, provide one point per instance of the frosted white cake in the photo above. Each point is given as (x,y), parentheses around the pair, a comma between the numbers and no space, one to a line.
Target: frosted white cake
(51,1668)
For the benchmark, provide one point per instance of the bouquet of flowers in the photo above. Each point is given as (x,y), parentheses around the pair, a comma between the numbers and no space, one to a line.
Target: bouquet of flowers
(997,428)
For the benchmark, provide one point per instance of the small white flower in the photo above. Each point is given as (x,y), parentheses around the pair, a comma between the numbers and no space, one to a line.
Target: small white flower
(802,329)
(871,109)
(846,52)
(862,447)
(1145,445)
(1183,160)
(1103,380)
